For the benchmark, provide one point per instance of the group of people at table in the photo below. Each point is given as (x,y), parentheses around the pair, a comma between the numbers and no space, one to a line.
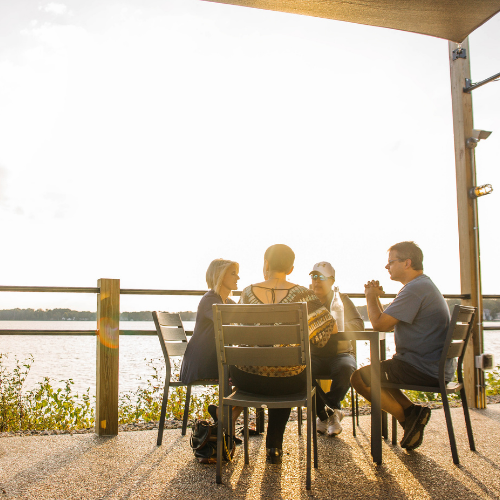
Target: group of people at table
(418,315)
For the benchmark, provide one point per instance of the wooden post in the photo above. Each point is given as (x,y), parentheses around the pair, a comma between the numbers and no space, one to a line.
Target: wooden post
(468,227)
(107,356)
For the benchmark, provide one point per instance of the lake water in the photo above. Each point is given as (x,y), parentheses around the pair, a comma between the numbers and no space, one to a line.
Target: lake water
(64,357)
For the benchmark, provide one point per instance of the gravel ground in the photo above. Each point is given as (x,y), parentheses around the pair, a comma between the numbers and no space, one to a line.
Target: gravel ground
(131,466)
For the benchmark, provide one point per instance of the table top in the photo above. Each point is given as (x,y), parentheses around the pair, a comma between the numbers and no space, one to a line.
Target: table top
(360,335)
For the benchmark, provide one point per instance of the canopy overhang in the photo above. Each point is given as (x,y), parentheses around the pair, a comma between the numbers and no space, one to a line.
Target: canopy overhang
(452,20)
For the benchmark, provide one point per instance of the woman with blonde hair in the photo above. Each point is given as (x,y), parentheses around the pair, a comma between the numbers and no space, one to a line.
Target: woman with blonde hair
(200,359)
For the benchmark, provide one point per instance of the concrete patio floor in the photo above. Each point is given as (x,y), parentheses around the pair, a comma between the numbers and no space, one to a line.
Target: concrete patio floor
(131,466)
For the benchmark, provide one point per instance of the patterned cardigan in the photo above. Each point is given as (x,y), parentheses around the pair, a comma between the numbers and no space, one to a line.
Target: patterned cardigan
(320,321)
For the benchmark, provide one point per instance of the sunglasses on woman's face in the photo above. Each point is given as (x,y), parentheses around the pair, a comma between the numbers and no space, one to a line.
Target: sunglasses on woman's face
(317,276)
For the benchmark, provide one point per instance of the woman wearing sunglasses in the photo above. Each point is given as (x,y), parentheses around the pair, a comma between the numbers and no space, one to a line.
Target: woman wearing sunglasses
(270,381)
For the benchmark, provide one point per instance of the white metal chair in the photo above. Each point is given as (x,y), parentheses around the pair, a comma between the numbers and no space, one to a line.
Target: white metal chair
(173,343)
(455,344)
(263,335)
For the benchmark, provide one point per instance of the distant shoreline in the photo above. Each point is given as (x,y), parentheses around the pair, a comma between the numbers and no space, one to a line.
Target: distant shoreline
(70,315)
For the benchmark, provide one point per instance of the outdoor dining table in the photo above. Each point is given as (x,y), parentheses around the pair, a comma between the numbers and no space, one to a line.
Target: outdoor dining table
(378,420)
(377,354)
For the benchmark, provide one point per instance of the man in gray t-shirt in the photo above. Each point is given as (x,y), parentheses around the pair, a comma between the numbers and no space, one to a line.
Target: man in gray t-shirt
(420,318)
(423,319)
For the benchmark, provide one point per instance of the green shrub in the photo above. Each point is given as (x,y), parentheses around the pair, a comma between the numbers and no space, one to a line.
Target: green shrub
(43,407)
(46,408)
(144,404)
(492,380)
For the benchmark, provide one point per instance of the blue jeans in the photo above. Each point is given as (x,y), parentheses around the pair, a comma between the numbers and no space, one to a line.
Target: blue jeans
(339,369)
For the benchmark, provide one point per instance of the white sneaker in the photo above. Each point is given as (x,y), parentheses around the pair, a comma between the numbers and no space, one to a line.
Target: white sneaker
(321,425)
(333,425)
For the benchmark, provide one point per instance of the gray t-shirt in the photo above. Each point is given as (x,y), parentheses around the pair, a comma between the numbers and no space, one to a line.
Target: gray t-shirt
(424,318)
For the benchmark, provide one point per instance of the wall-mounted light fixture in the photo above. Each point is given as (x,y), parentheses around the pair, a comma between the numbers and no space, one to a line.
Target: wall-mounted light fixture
(479,191)
(471,143)
(477,135)
(480,134)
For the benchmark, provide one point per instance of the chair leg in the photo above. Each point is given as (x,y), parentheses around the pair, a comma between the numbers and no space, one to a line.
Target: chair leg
(245,436)
(465,407)
(161,424)
(220,428)
(394,430)
(357,410)
(186,410)
(385,425)
(259,419)
(315,434)
(353,412)
(299,418)
(449,425)
(228,424)
(308,454)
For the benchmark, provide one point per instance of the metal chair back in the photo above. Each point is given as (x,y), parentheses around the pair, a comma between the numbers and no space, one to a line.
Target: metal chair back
(457,338)
(271,335)
(171,334)
(173,342)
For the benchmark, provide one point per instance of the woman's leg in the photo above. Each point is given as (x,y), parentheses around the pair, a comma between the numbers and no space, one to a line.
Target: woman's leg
(277,420)
(321,402)
(319,366)
(236,413)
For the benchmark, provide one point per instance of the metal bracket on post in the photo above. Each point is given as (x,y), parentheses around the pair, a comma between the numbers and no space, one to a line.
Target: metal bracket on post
(459,54)
(469,86)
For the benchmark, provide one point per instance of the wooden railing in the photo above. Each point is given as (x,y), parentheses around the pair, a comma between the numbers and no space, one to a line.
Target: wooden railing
(108,331)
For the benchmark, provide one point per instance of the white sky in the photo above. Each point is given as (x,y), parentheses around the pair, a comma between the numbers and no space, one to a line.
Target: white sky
(141,140)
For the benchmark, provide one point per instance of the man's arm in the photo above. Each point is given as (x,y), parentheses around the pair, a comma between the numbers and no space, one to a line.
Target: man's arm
(380,321)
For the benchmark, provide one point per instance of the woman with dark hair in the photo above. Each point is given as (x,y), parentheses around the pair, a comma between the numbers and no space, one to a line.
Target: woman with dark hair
(278,264)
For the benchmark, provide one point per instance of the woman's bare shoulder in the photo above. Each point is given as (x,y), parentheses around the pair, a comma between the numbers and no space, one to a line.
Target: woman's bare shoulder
(269,284)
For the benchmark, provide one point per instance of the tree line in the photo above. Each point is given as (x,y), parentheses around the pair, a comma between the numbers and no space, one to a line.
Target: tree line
(70,315)
(491,311)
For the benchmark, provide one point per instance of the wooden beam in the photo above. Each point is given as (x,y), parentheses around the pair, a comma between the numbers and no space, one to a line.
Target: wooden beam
(107,357)
(468,228)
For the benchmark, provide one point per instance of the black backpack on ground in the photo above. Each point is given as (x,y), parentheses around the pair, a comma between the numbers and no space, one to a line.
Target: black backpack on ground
(204,442)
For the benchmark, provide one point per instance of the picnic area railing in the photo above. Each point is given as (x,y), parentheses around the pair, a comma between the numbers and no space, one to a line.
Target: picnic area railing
(108,293)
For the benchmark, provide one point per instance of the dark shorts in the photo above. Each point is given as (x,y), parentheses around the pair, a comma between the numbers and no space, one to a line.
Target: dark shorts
(398,372)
